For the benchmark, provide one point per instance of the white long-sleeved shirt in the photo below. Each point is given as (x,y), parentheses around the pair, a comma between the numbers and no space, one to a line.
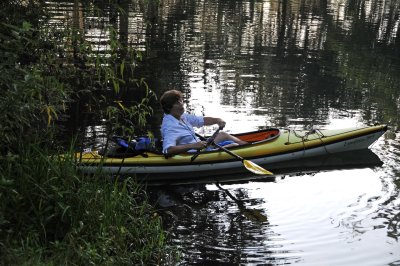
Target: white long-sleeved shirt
(177,132)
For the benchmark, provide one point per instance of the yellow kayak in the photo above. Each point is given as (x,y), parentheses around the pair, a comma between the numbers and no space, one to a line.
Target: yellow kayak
(267,147)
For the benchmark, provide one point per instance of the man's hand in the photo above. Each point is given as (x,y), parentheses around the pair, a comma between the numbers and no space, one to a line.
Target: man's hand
(199,145)
(221,123)
(208,121)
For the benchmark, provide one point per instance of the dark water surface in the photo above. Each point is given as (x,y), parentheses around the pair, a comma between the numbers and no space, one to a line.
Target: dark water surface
(288,64)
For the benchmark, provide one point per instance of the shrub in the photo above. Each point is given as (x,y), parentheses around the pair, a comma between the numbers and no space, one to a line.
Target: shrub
(52,214)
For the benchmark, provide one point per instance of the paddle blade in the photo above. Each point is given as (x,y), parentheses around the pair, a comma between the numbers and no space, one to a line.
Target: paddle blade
(254,168)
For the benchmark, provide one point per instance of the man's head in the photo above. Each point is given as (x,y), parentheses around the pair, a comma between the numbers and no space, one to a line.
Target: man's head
(169,98)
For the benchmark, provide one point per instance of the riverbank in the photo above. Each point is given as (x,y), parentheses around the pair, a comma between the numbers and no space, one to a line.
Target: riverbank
(50,213)
(53,215)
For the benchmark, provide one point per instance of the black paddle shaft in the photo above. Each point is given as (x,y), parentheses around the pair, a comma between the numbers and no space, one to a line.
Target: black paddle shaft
(209,141)
(252,167)
(222,148)
(229,152)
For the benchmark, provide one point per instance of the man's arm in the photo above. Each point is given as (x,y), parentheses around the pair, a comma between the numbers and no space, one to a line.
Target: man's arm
(173,150)
(213,120)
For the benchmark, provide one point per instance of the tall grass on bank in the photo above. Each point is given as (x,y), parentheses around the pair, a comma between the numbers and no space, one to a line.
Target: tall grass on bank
(50,214)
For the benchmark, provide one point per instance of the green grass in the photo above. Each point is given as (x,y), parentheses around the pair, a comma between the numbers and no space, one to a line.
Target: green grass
(50,214)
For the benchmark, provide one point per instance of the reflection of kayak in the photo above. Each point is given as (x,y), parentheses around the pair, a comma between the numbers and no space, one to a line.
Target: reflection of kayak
(342,160)
(329,162)
(270,148)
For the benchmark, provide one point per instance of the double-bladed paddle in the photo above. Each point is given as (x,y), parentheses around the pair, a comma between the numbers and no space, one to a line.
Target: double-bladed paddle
(252,214)
(209,141)
(251,166)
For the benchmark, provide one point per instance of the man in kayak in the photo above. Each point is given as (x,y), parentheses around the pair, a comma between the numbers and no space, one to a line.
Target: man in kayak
(177,127)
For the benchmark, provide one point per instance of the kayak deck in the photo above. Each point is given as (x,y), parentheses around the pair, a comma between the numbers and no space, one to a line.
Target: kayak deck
(266,147)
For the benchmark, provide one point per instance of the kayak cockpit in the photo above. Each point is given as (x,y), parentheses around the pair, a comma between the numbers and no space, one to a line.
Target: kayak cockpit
(120,147)
(254,137)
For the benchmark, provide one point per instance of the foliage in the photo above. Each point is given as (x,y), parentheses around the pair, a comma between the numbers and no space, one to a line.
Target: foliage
(51,214)
(44,69)
(118,69)
(31,94)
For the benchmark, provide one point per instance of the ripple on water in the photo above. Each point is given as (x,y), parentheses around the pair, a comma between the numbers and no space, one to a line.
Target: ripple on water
(339,217)
(334,216)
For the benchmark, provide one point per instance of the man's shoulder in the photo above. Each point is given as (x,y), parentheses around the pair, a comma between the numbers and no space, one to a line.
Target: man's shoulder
(168,118)
(168,121)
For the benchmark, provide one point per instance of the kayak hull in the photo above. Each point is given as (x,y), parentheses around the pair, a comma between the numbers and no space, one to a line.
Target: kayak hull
(284,146)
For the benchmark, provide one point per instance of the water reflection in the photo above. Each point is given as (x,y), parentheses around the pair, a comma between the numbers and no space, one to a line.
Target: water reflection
(305,215)
(215,226)
(280,56)
(271,63)
(389,208)
(311,218)
(288,60)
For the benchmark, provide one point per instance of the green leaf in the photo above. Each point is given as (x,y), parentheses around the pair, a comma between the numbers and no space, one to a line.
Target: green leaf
(122,67)
(26,25)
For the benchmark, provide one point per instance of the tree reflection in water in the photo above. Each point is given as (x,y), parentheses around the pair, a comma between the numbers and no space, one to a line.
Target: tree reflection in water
(258,64)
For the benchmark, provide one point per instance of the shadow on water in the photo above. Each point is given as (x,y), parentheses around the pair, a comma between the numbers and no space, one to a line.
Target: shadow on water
(212,225)
(344,160)
(251,214)
(213,222)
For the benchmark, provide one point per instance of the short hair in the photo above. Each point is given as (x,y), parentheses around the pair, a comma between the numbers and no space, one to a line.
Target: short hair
(169,98)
